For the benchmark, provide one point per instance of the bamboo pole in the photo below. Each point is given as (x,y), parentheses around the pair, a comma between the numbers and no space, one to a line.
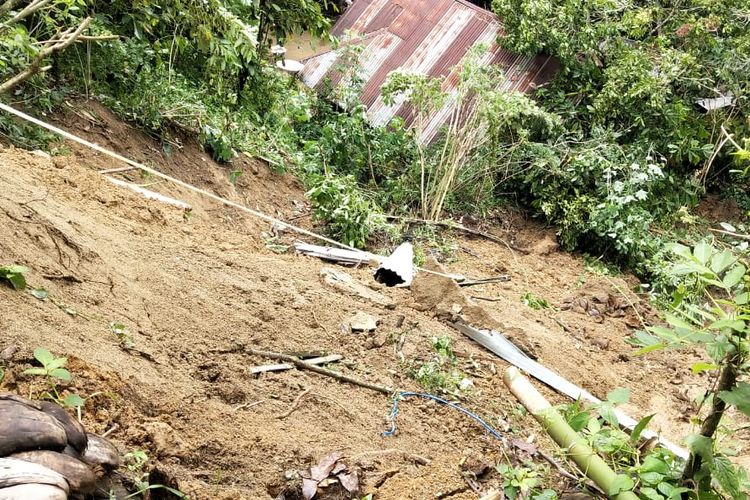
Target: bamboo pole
(587,460)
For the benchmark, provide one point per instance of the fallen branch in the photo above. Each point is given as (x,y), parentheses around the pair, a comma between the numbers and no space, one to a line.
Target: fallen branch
(303,365)
(25,12)
(62,42)
(286,366)
(98,38)
(730,233)
(463,229)
(485,281)
(247,405)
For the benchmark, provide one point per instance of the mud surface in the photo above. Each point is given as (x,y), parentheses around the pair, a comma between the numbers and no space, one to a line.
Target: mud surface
(193,289)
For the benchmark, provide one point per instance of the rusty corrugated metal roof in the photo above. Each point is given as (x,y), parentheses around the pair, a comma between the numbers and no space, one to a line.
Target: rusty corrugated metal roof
(422,36)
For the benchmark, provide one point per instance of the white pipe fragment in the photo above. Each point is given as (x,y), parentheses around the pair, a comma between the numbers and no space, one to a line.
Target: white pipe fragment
(148,194)
(398,268)
(501,346)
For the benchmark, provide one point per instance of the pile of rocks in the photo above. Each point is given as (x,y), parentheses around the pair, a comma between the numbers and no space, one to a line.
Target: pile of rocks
(46,454)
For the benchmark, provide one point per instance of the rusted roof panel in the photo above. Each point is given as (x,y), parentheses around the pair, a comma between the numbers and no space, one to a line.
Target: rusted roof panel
(429,37)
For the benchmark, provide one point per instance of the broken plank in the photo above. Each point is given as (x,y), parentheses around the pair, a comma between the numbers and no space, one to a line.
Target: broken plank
(286,366)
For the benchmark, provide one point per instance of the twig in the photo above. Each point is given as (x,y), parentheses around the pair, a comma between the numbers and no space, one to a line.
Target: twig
(391,451)
(116,170)
(488,299)
(286,366)
(322,371)
(730,233)
(247,405)
(98,38)
(63,277)
(294,406)
(111,430)
(462,228)
(485,281)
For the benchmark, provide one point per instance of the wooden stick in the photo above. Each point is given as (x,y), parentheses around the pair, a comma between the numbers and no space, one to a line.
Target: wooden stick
(294,406)
(462,228)
(730,233)
(286,366)
(322,371)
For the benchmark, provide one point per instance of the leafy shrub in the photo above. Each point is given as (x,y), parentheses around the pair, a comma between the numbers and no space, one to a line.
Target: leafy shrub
(349,215)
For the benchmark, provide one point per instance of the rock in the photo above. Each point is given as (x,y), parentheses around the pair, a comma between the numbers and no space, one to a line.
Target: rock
(14,472)
(363,322)
(546,245)
(41,154)
(165,439)
(74,431)
(80,477)
(26,428)
(100,451)
(33,491)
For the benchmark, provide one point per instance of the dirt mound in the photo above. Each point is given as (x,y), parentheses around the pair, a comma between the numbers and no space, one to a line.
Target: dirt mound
(191,288)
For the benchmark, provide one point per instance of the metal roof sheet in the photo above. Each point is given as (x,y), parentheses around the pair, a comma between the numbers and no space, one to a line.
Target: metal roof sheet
(422,36)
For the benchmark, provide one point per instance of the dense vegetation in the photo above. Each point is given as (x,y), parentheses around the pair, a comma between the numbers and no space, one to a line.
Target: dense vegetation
(613,152)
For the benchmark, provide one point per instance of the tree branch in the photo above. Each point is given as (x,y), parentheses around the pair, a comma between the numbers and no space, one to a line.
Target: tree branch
(8,6)
(26,12)
(727,380)
(65,40)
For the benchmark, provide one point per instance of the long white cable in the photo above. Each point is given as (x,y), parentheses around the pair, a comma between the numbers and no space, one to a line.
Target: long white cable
(164,176)
(156,173)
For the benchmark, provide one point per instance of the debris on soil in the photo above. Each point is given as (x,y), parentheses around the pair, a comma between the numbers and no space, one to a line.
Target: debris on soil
(345,283)
(363,322)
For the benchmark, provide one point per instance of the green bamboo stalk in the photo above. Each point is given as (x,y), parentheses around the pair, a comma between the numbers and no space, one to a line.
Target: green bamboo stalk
(590,463)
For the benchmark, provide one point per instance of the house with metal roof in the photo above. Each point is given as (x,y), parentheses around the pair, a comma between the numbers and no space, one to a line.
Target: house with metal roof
(429,37)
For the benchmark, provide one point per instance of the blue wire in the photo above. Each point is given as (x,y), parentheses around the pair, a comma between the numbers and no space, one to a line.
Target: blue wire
(401,395)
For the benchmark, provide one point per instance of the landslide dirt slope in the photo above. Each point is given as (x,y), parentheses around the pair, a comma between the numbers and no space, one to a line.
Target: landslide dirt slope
(191,288)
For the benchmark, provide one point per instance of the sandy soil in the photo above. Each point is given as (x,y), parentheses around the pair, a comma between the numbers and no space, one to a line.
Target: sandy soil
(191,288)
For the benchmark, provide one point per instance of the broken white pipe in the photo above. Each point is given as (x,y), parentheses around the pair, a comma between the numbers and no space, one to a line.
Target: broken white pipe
(148,194)
(505,349)
(398,268)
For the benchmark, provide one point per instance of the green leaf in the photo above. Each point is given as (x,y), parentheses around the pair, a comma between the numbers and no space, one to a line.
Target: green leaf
(654,464)
(742,298)
(739,397)
(640,427)
(12,269)
(61,373)
(43,356)
(579,421)
(73,400)
(682,251)
(726,475)
(735,324)
(734,276)
(17,281)
(56,363)
(36,371)
(701,367)
(620,484)
(702,252)
(39,293)
(700,445)
(721,261)
(618,396)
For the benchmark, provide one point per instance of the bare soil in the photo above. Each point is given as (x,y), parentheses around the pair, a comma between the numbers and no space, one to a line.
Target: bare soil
(191,288)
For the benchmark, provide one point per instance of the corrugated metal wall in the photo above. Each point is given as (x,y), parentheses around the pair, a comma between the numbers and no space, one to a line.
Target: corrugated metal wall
(422,36)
